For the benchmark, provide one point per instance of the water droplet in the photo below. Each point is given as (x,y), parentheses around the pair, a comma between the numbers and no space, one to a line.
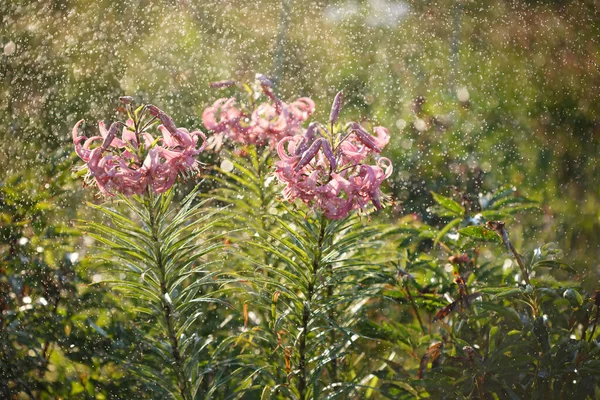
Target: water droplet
(226,165)
(10,48)
(462,94)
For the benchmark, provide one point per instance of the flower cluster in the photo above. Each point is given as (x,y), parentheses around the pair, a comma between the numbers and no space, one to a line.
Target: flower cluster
(328,171)
(268,122)
(137,161)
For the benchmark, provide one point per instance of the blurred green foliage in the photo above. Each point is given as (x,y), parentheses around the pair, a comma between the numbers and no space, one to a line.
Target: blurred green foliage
(526,73)
(498,333)
(60,337)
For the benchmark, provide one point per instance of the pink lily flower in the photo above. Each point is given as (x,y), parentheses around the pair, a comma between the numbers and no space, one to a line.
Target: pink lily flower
(330,173)
(265,123)
(123,165)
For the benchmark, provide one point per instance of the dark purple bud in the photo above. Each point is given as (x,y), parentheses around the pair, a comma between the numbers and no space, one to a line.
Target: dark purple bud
(112,133)
(267,87)
(168,122)
(222,84)
(365,137)
(308,155)
(308,138)
(264,81)
(329,154)
(165,119)
(335,108)
(126,99)
(153,110)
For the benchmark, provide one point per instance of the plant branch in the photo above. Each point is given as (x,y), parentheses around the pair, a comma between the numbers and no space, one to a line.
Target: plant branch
(416,310)
(499,228)
(316,262)
(178,365)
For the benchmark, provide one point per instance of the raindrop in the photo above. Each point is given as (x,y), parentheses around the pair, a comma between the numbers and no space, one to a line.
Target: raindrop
(10,48)
(226,165)
(462,94)
(420,125)
(73,257)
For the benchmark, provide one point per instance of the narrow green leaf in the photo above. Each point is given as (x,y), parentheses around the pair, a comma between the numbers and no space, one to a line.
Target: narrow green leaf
(554,264)
(480,233)
(446,229)
(449,204)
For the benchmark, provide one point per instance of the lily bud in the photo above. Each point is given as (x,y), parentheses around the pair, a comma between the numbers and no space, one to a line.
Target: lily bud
(153,110)
(365,137)
(329,154)
(164,118)
(308,155)
(126,99)
(222,84)
(308,138)
(335,108)
(263,80)
(168,122)
(267,87)
(112,133)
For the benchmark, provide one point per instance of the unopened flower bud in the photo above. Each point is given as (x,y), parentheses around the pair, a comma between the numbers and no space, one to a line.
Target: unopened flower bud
(264,81)
(267,87)
(335,108)
(308,138)
(308,155)
(112,133)
(153,110)
(329,154)
(164,118)
(126,99)
(365,137)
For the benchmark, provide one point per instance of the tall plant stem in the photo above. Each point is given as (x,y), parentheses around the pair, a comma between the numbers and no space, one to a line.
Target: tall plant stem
(595,323)
(170,322)
(500,229)
(415,309)
(520,262)
(316,263)
(332,338)
(260,164)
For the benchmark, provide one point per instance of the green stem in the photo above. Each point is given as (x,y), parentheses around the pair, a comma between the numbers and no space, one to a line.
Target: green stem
(500,229)
(316,263)
(595,323)
(178,364)
(264,201)
(520,262)
(414,306)
(332,338)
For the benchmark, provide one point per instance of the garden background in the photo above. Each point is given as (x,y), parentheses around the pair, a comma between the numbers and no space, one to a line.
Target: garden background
(477,96)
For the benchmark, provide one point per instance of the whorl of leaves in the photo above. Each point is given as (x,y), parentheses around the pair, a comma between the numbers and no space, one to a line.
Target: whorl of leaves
(292,273)
(312,296)
(248,187)
(157,257)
